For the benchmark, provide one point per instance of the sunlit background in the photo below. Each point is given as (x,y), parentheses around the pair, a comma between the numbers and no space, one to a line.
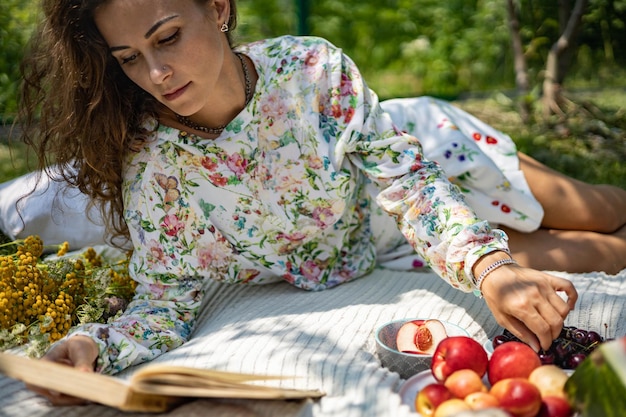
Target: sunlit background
(459,50)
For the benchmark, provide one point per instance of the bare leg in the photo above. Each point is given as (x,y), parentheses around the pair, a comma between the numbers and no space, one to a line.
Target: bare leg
(583,229)
(570,204)
(569,250)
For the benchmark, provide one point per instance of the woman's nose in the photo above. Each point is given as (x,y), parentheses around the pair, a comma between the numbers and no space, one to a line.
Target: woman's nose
(159,72)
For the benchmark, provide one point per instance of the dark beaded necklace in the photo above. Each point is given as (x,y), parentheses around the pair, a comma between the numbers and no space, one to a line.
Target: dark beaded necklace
(218,130)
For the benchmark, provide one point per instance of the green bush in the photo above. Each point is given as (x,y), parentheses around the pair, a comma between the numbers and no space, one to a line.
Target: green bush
(403,47)
(17,18)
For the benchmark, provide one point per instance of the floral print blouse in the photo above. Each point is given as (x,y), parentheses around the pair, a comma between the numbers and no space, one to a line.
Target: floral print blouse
(285,193)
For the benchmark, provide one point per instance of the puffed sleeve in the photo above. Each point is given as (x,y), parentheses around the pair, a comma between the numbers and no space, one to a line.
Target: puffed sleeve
(160,318)
(430,211)
(163,230)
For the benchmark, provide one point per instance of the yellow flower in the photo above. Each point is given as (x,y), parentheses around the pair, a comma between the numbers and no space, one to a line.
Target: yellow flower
(63,249)
(41,299)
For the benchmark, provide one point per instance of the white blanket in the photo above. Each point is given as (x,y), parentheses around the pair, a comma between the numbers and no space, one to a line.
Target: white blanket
(326,338)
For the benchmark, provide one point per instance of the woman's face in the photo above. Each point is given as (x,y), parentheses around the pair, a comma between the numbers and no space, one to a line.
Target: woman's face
(173,49)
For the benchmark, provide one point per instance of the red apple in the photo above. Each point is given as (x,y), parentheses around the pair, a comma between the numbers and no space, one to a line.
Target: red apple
(458,352)
(481,401)
(451,407)
(430,397)
(517,396)
(512,360)
(463,382)
(420,336)
(552,406)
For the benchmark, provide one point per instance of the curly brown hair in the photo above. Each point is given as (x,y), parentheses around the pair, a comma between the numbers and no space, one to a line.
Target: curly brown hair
(78,110)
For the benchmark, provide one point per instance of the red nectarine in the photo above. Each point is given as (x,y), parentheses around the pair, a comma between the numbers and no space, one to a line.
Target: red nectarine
(512,360)
(517,396)
(429,398)
(552,406)
(458,352)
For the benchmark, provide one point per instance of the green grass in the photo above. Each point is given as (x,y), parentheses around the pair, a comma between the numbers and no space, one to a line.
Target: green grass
(12,161)
(590,146)
(13,154)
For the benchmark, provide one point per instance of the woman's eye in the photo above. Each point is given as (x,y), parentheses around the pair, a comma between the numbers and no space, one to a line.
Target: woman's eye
(169,39)
(129,59)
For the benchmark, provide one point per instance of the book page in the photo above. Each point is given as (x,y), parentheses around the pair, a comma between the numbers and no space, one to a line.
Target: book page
(149,371)
(184,381)
(65,379)
(148,388)
(241,391)
(90,386)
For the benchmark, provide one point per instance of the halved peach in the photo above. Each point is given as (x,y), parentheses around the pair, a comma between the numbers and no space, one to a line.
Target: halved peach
(420,336)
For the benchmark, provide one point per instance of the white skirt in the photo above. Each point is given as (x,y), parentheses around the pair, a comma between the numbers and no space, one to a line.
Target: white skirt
(481,160)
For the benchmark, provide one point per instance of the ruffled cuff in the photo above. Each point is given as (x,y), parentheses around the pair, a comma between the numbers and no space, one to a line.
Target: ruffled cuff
(495,241)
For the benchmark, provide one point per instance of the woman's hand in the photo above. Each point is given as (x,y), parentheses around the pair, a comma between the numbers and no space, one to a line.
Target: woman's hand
(80,352)
(526,302)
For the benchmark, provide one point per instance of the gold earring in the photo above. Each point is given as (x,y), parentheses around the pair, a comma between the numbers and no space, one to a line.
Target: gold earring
(224,28)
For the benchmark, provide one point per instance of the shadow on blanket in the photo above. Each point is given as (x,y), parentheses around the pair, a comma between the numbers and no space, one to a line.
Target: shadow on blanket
(326,339)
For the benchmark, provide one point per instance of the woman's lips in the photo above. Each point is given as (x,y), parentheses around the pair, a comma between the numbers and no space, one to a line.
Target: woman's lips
(177,93)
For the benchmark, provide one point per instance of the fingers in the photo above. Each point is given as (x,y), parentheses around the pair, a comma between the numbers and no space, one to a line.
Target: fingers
(533,329)
(57,353)
(556,305)
(82,353)
(527,303)
(56,398)
(509,317)
(79,352)
(563,285)
(549,320)
(522,332)
(561,306)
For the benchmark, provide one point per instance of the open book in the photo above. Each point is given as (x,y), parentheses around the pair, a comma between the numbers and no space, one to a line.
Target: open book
(154,388)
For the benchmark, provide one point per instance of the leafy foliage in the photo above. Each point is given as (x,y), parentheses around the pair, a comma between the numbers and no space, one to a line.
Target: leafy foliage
(403,47)
(17,18)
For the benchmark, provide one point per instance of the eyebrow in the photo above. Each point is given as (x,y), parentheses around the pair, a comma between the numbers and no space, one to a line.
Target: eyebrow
(158,25)
(149,33)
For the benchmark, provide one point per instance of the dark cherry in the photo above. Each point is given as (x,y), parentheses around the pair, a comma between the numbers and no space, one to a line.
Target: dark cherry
(579,336)
(546,357)
(567,351)
(574,360)
(510,336)
(593,338)
(563,348)
(498,340)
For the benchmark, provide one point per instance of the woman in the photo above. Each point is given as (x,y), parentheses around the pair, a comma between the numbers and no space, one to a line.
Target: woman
(268,161)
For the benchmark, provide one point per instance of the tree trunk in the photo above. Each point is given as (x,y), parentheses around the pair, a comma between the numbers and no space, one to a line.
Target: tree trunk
(606,31)
(555,70)
(521,68)
(566,58)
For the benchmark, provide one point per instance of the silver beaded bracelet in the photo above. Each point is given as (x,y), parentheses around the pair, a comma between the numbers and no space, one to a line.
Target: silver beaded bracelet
(491,268)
